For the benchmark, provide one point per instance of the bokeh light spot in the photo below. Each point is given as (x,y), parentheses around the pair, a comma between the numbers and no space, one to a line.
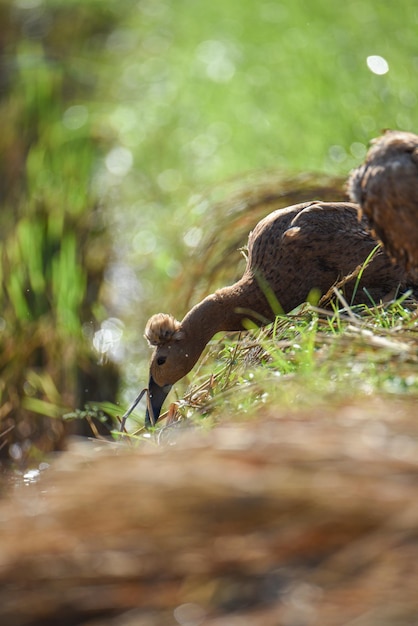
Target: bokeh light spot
(358,150)
(169,180)
(75,117)
(119,161)
(377,64)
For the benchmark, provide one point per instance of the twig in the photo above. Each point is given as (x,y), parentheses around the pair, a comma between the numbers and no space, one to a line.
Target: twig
(345,304)
(131,408)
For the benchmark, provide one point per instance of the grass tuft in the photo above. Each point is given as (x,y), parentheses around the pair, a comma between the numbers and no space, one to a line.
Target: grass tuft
(310,358)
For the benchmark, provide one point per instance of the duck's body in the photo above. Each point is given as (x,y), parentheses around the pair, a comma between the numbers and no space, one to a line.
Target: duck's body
(290,252)
(386,188)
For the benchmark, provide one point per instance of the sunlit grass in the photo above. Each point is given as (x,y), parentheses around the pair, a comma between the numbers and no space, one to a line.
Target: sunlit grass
(314,361)
(303,361)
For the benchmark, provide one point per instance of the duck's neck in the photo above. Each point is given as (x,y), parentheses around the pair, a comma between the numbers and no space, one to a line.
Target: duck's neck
(225,310)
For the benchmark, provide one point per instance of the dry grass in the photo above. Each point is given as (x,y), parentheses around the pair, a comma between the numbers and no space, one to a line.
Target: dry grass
(294,517)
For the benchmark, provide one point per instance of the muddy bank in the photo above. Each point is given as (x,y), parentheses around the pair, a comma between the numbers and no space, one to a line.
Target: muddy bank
(302,519)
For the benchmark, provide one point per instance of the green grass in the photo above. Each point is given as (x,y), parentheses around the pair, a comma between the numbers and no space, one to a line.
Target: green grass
(305,360)
(220,88)
(54,248)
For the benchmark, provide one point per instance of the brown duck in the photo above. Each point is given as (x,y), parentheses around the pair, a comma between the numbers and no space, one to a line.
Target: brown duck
(386,188)
(290,252)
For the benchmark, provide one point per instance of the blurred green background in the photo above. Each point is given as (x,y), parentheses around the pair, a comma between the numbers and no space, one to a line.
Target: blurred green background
(133,134)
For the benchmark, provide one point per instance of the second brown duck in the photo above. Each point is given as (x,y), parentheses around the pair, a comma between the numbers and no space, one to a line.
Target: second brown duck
(290,252)
(386,188)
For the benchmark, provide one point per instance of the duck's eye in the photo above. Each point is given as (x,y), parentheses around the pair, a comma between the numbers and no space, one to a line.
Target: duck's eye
(161,360)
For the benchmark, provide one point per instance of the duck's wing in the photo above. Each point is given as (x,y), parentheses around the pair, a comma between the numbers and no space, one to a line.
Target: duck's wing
(325,227)
(329,241)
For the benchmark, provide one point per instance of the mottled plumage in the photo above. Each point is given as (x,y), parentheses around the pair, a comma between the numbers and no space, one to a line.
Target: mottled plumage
(386,188)
(290,252)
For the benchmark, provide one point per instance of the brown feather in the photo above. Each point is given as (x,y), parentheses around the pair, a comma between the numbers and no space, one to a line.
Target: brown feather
(386,188)
(161,329)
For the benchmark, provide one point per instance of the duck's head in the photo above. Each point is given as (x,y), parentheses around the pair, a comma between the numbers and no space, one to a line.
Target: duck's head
(171,360)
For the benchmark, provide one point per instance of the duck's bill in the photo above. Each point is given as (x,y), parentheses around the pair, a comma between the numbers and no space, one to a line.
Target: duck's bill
(156,397)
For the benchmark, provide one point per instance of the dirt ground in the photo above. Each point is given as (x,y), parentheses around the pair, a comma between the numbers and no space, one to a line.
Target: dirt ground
(303,519)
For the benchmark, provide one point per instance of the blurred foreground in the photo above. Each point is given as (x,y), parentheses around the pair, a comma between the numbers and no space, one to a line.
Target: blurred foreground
(294,519)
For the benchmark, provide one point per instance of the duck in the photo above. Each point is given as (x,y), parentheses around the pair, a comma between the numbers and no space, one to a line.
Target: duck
(292,251)
(385,187)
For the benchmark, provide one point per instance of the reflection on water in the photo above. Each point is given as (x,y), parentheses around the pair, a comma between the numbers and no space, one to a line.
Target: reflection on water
(16,478)
(32,476)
